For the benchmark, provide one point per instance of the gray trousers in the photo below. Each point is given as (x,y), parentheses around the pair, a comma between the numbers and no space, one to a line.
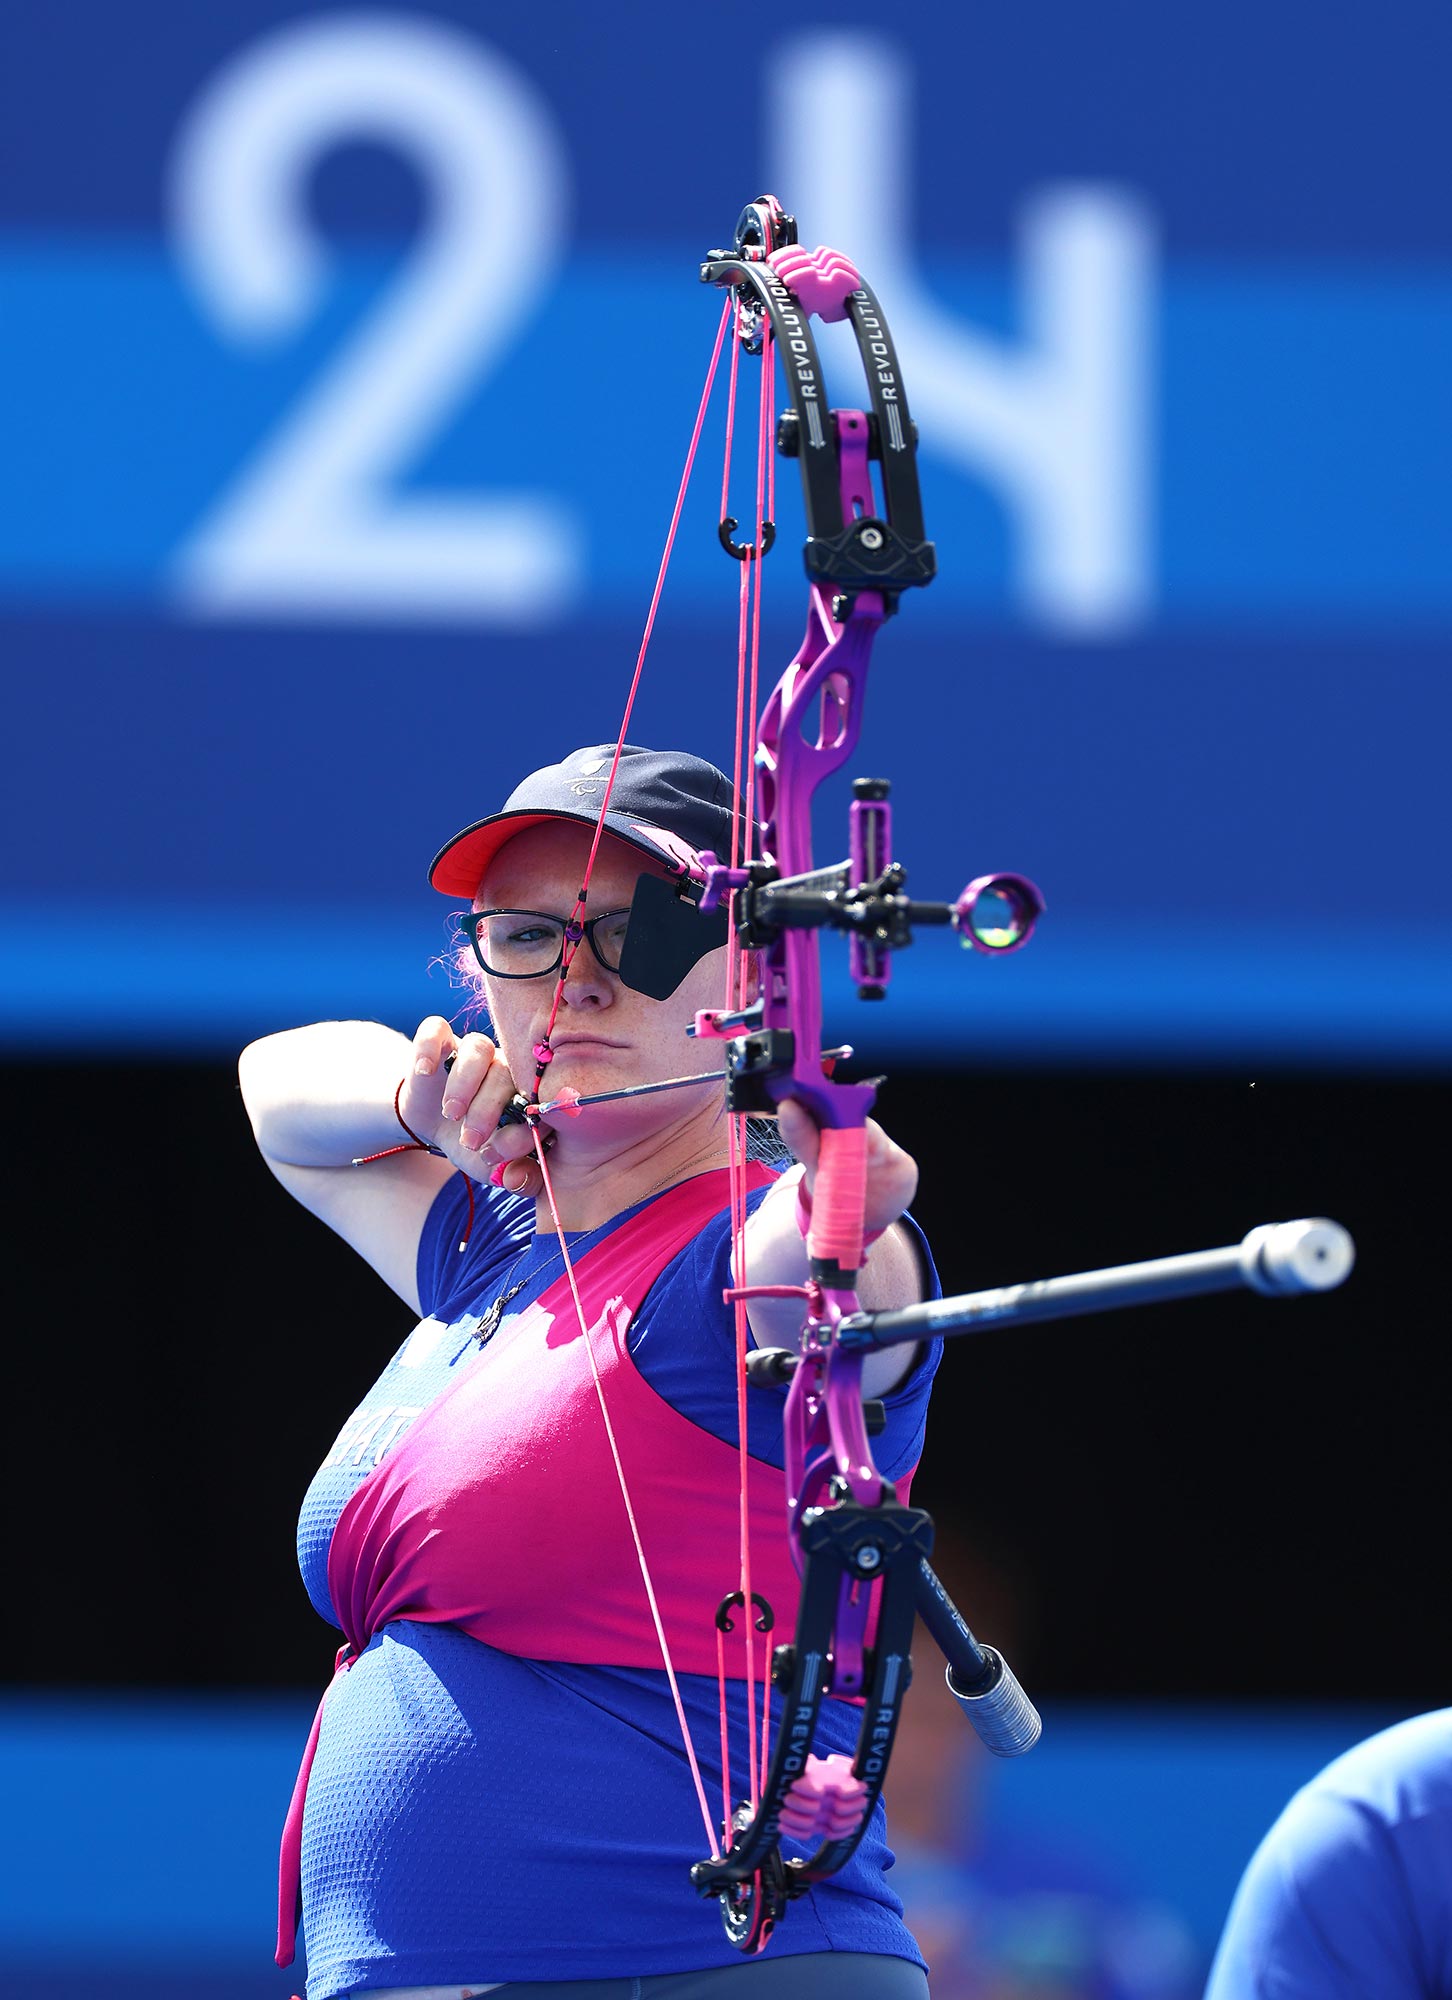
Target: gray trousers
(812,1975)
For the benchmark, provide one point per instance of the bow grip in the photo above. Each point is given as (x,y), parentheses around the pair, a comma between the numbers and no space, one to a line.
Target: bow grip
(834,1237)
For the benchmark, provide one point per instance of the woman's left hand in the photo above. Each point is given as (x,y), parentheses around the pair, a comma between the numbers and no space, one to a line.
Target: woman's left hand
(892,1174)
(892,1274)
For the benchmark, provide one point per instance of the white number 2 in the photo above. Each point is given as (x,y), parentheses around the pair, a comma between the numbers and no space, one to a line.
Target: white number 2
(310,527)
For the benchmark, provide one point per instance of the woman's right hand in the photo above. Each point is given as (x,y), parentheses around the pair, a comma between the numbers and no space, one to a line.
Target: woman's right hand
(453,1095)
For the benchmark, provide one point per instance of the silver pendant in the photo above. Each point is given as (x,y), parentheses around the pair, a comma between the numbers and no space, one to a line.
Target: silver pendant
(489,1322)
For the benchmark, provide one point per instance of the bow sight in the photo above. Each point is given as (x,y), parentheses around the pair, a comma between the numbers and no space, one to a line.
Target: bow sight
(863,897)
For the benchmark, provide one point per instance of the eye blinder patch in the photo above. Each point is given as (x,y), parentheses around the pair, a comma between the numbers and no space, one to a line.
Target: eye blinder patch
(666,937)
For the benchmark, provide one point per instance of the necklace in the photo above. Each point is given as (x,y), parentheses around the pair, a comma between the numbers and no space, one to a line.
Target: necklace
(489,1320)
(492,1317)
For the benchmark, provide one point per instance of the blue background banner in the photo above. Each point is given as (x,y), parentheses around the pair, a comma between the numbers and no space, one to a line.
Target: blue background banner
(350,361)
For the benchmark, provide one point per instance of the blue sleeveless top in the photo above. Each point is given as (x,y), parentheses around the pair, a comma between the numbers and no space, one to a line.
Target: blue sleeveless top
(473,1816)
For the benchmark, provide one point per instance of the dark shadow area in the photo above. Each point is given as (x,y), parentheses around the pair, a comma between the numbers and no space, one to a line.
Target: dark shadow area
(1223,1499)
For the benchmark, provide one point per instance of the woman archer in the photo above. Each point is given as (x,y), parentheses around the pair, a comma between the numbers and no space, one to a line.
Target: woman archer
(494,1800)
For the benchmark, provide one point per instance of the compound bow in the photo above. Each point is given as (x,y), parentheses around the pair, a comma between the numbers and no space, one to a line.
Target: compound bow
(861,1555)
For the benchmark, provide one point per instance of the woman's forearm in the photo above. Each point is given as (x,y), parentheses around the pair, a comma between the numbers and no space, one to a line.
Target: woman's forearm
(323,1095)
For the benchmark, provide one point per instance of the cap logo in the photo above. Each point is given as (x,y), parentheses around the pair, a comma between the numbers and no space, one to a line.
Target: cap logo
(589,766)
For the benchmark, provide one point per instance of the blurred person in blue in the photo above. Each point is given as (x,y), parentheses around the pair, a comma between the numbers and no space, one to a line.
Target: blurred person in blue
(1349,1896)
(495,1797)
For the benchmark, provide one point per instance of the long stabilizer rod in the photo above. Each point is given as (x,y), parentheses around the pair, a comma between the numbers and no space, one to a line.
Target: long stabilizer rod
(1279,1259)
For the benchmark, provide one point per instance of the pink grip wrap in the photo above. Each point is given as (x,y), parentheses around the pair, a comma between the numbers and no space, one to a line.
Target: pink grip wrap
(838,1197)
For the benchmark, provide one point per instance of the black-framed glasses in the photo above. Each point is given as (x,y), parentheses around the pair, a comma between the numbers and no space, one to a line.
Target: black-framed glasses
(526,944)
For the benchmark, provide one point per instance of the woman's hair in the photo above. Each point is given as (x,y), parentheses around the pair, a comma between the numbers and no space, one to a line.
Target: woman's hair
(467,973)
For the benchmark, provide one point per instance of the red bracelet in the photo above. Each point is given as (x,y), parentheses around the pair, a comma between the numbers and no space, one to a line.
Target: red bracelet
(422,1143)
(417,1145)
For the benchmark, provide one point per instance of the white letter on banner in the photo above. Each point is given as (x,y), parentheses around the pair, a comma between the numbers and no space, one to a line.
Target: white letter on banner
(1061,425)
(311,527)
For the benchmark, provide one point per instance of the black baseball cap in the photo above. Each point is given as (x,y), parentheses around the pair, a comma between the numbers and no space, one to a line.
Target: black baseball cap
(671,806)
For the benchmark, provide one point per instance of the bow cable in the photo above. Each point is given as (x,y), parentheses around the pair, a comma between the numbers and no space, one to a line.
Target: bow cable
(574,932)
(743,776)
(543,1053)
(742,845)
(640,1556)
